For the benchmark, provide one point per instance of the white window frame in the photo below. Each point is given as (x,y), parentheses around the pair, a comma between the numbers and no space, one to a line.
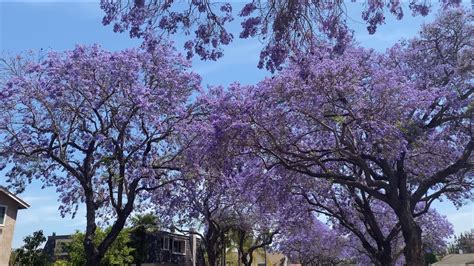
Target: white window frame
(4,218)
(166,243)
(184,247)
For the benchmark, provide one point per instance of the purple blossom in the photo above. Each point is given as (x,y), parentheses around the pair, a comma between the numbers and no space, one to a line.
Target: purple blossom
(286,27)
(102,127)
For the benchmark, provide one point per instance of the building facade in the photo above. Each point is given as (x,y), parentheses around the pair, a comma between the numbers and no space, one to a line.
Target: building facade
(261,257)
(57,247)
(9,206)
(167,249)
(163,249)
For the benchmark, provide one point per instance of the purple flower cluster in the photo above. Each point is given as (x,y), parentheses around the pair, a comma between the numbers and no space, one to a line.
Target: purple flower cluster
(286,26)
(367,139)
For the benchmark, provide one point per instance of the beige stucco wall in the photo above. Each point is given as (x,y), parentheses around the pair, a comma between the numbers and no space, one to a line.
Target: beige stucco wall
(6,235)
(273,259)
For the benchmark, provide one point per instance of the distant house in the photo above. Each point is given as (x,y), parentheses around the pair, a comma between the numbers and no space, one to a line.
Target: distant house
(9,206)
(164,249)
(260,258)
(466,242)
(56,247)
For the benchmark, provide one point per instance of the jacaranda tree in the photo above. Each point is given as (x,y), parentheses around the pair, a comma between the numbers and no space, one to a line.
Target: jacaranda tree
(311,242)
(396,126)
(283,25)
(367,226)
(102,127)
(354,213)
(216,193)
(374,230)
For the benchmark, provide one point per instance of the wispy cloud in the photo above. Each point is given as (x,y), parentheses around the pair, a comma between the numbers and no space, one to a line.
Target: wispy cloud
(39,198)
(44,215)
(463,220)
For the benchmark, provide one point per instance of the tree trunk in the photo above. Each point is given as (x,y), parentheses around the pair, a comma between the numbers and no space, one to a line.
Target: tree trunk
(404,208)
(92,261)
(212,258)
(385,258)
(223,250)
(239,256)
(212,245)
(94,254)
(212,249)
(380,255)
(245,259)
(91,252)
(244,255)
(413,246)
(250,255)
(412,235)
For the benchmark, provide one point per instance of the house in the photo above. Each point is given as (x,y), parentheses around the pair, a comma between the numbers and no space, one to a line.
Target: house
(56,246)
(167,249)
(456,260)
(9,206)
(466,242)
(164,249)
(261,257)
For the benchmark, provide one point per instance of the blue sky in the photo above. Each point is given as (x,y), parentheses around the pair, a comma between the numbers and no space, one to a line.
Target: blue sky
(59,25)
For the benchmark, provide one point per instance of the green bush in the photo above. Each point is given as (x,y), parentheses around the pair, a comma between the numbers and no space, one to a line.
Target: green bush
(119,252)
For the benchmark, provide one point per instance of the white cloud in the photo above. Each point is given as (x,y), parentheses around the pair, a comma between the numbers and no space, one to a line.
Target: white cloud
(44,215)
(462,221)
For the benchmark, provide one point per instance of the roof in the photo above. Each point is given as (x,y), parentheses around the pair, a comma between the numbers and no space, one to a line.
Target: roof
(54,237)
(153,234)
(22,204)
(456,259)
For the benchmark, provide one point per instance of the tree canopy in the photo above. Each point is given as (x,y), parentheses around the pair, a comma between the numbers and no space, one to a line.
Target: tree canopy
(395,127)
(102,127)
(31,253)
(284,26)
(368,139)
(119,253)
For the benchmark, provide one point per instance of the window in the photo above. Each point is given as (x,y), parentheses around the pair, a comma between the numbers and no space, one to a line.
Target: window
(179,246)
(165,244)
(61,248)
(3,214)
